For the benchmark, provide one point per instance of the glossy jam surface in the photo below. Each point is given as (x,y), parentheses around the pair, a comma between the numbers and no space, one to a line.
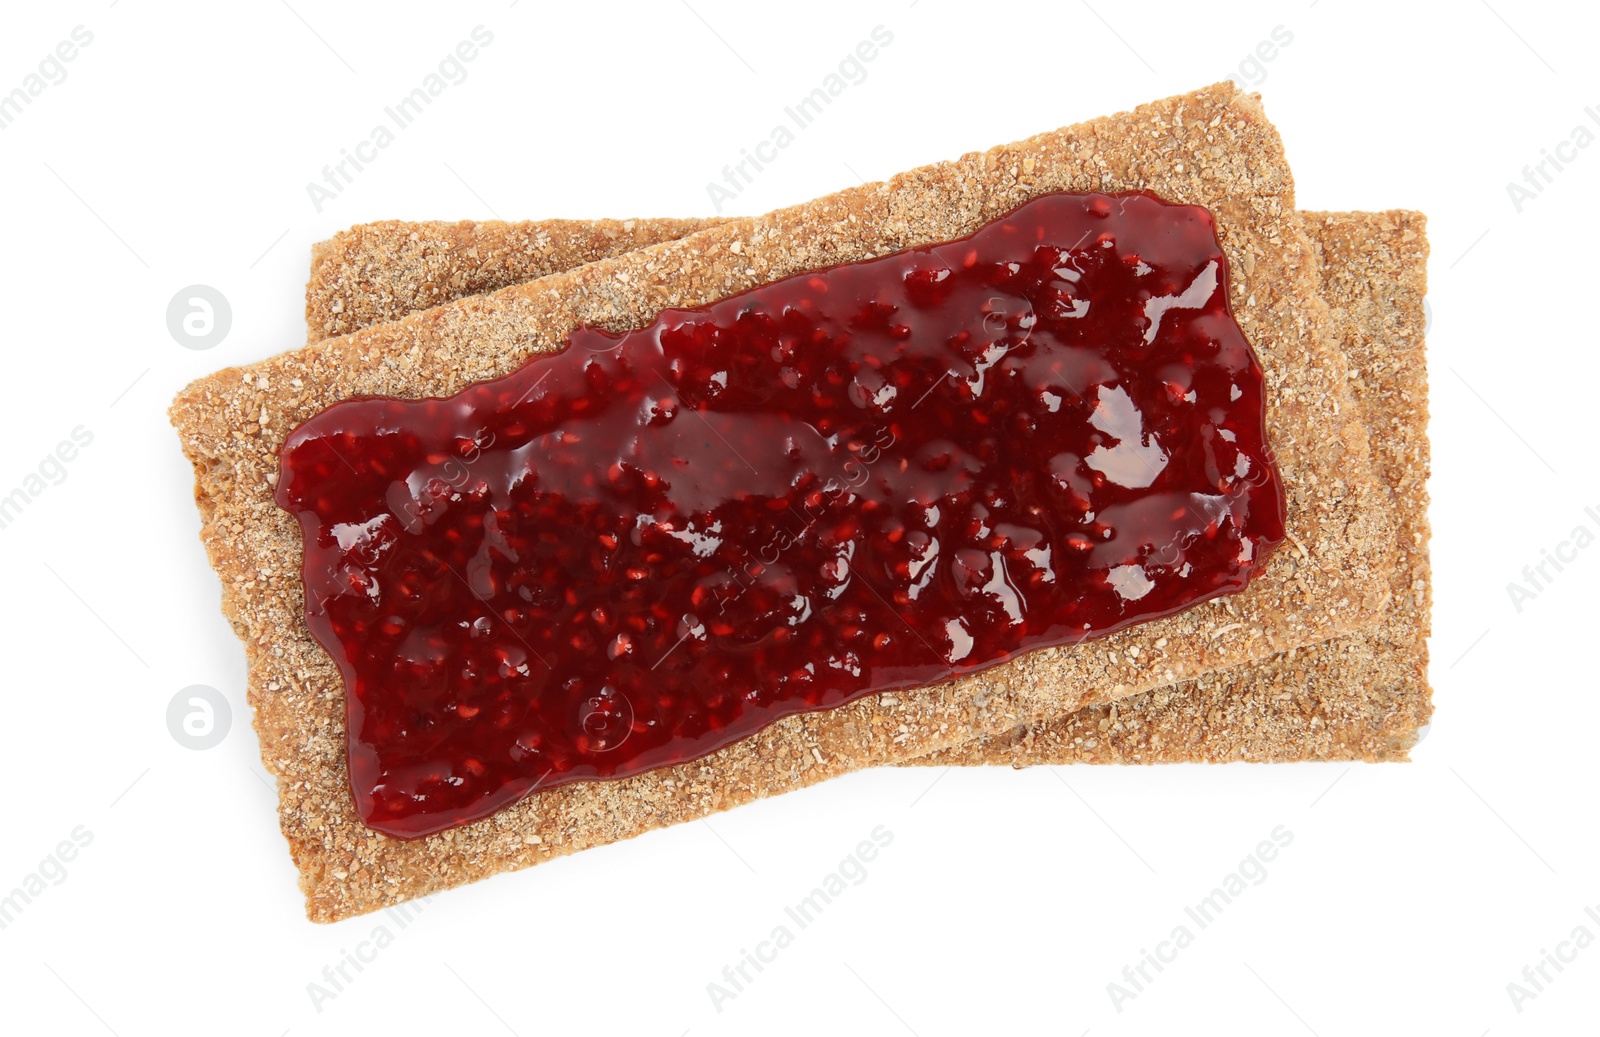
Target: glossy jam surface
(867,478)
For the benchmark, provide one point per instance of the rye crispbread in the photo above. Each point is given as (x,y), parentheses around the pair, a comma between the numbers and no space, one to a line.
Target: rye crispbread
(1213,147)
(1362,696)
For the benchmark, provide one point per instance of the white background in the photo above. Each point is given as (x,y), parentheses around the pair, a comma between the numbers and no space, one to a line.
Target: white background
(177,152)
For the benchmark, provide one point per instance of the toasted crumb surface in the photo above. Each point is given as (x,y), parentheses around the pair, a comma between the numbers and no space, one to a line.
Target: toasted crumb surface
(377,272)
(1359,697)
(1212,147)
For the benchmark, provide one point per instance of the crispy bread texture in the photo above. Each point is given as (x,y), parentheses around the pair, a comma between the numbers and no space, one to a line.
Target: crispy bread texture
(1213,147)
(377,272)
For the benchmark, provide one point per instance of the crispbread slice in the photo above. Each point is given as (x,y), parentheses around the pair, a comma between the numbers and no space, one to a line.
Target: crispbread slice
(1212,147)
(1360,697)
(377,272)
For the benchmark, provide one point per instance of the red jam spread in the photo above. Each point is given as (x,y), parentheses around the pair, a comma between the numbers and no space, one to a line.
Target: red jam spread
(867,478)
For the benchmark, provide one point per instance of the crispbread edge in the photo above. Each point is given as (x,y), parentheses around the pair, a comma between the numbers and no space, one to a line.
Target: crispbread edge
(377,272)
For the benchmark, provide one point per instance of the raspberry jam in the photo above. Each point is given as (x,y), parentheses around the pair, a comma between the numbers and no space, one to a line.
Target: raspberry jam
(866,478)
